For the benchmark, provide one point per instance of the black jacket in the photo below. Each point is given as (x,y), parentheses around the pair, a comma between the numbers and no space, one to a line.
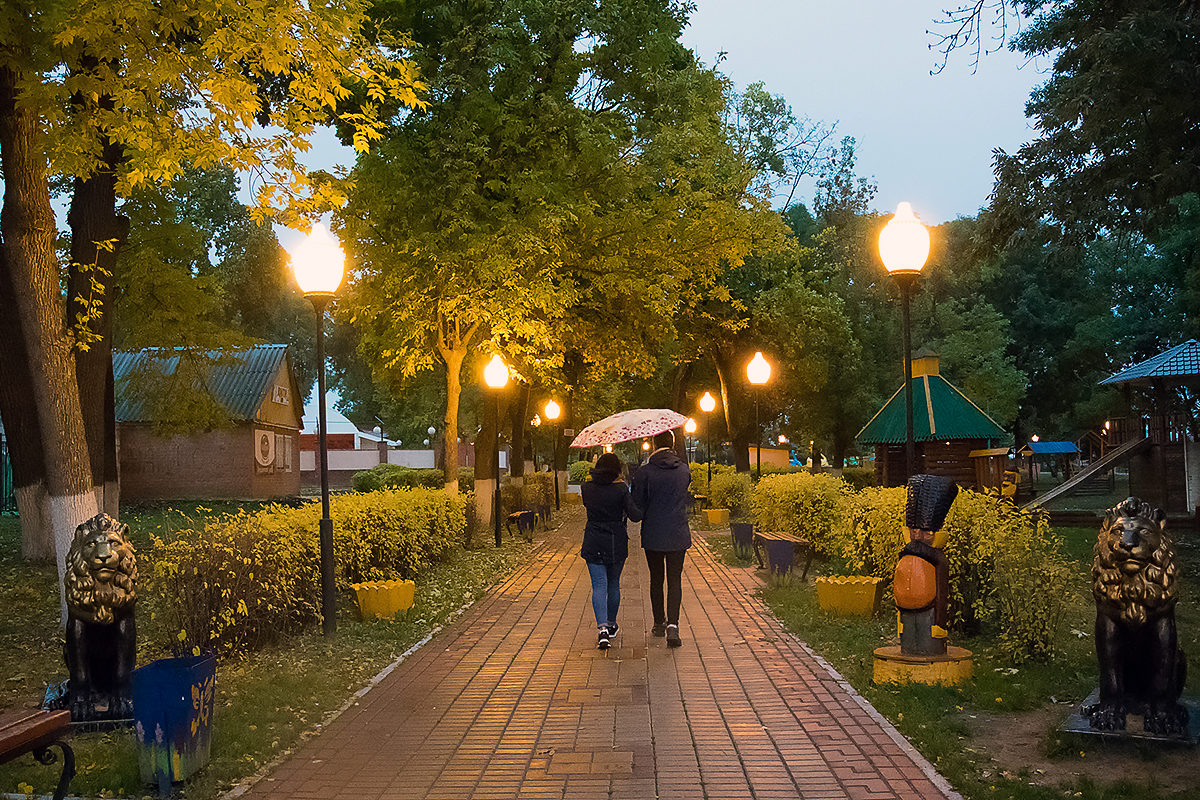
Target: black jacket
(606,498)
(660,490)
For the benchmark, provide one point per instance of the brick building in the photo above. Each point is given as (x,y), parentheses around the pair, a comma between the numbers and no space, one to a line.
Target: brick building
(253,452)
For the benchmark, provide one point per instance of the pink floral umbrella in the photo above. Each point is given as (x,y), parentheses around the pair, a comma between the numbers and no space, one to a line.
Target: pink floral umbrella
(636,423)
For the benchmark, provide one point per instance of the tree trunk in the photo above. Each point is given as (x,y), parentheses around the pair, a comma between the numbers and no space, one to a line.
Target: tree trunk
(454,361)
(739,444)
(18,413)
(518,413)
(27,224)
(680,377)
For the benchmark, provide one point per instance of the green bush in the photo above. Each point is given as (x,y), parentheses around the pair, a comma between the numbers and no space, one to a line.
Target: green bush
(578,471)
(394,476)
(700,475)
(536,489)
(859,477)
(802,504)
(466,479)
(241,581)
(1007,569)
(730,490)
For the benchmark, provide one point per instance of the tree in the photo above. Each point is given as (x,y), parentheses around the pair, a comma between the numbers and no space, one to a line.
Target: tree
(131,94)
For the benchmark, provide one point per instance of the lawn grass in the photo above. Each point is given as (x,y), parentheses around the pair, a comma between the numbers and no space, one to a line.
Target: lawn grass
(266,701)
(939,721)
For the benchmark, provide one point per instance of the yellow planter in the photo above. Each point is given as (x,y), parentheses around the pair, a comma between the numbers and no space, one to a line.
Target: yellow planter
(716,516)
(857,595)
(382,599)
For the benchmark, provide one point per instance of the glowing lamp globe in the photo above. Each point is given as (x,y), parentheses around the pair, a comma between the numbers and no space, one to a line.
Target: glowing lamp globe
(495,374)
(758,371)
(707,403)
(536,421)
(552,410)
(318,262)
(904,242)
(689,426)
(645,445)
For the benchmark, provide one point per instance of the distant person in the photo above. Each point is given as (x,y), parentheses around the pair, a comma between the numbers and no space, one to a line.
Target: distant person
(606,541)
(660,490)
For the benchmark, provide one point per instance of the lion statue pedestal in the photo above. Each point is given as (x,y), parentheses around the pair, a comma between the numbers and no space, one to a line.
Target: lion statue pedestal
(101,587)
(1142,668)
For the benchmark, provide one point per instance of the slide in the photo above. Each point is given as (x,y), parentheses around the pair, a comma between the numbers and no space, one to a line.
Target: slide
(1103,464)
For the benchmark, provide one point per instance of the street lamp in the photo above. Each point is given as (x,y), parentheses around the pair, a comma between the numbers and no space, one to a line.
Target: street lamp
(689,428)
(707,404)
(758,372)
(318,262)
(495,375)
(552,411)
(904,247)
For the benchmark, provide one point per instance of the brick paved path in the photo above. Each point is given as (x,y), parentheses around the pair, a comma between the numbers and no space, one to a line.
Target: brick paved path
(514,701)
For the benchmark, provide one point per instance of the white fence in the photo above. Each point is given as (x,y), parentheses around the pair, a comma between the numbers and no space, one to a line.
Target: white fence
(358,460)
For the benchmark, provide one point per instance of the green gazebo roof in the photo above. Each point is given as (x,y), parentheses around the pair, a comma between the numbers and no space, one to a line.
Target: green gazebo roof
(940,412)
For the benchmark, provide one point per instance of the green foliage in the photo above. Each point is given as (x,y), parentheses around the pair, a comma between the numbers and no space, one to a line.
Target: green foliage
(700,476)
(577,471)
(1007,569)
(731,490)
(244,580)
(859,478)
(802,504)
(535,491)
(394,476)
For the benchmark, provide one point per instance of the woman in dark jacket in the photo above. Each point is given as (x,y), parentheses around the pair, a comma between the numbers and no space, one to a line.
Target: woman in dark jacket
(605,541)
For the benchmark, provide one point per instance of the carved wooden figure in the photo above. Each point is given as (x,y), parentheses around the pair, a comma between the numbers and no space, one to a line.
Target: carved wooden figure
(921,583)
(101,585)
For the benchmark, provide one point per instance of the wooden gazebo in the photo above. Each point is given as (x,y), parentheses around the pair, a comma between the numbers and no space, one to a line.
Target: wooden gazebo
(953,436)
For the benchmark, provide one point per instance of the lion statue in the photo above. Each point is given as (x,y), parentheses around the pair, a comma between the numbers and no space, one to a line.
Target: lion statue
(1134,582)
(101,588)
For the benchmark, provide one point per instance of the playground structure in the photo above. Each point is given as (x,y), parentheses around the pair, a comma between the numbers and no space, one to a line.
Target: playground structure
(1156,438)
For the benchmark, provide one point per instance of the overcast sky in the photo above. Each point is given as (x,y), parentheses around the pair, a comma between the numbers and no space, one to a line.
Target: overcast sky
(865,64)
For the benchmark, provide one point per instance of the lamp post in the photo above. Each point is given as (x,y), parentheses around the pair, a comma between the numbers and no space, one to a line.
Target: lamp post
(318,262)
(534,423)
(904,247)
(495,375)
(552,411)
(707,404)
(689,428)
(758,372)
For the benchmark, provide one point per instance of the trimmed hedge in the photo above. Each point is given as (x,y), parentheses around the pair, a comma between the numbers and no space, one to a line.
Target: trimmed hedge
(578,471)
(243,580)
(536,489)
(803,504)
(730,490)
(394,476)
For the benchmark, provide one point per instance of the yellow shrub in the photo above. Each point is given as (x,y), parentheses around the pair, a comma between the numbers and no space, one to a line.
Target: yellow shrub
(240,581)
(802,504)
(730,490)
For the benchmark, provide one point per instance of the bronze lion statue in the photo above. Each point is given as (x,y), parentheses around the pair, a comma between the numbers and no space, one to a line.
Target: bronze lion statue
(101,588)
(1134,582)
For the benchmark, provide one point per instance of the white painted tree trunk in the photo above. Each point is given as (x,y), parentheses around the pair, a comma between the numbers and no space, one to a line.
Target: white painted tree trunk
(484,503)
(66,514)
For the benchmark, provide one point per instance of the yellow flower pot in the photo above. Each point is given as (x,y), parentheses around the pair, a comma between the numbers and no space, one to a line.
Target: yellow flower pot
(716,516)
(382,599)
(857,595)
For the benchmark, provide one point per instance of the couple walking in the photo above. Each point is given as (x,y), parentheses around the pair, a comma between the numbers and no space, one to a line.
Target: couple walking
(659,498)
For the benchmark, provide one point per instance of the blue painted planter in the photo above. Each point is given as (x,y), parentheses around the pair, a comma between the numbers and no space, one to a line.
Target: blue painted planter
(173,701)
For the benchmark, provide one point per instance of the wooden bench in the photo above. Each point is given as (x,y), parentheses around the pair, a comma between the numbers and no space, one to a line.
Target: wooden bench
(35,732)
(525,521)
(783,551)
(699,503)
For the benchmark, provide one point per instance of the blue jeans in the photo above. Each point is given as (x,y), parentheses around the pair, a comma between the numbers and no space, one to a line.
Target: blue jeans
(606,591)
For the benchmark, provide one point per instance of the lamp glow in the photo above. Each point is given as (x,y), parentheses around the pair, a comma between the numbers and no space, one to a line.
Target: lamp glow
(495,374)
(318,262)
(536,421)
(708,403)
(645,445)
(758,371)
(552,410)
(904,242)
(782,439)
(689,426)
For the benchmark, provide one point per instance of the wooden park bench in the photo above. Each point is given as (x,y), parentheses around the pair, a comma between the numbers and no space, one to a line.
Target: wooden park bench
(525,521)
(35,732)
(783,551)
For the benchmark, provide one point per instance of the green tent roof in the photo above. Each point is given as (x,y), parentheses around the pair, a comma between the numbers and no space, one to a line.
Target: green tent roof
(237,379)
(940,412)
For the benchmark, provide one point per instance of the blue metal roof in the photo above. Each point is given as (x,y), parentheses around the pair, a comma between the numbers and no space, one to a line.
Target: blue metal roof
(1050,448)
(1180,361)
(237,379)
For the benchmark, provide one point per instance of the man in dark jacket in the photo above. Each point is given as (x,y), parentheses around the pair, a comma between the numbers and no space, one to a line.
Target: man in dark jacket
(660,490)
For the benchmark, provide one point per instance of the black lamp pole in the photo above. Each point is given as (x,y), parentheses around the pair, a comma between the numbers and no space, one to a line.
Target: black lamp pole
(758,441)
(496,473)
(319,301)
(906,281)
(554,464)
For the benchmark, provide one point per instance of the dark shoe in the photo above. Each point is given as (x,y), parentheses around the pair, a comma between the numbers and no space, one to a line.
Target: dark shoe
(659,630)
(673,639)
(602,641)
(612,630)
